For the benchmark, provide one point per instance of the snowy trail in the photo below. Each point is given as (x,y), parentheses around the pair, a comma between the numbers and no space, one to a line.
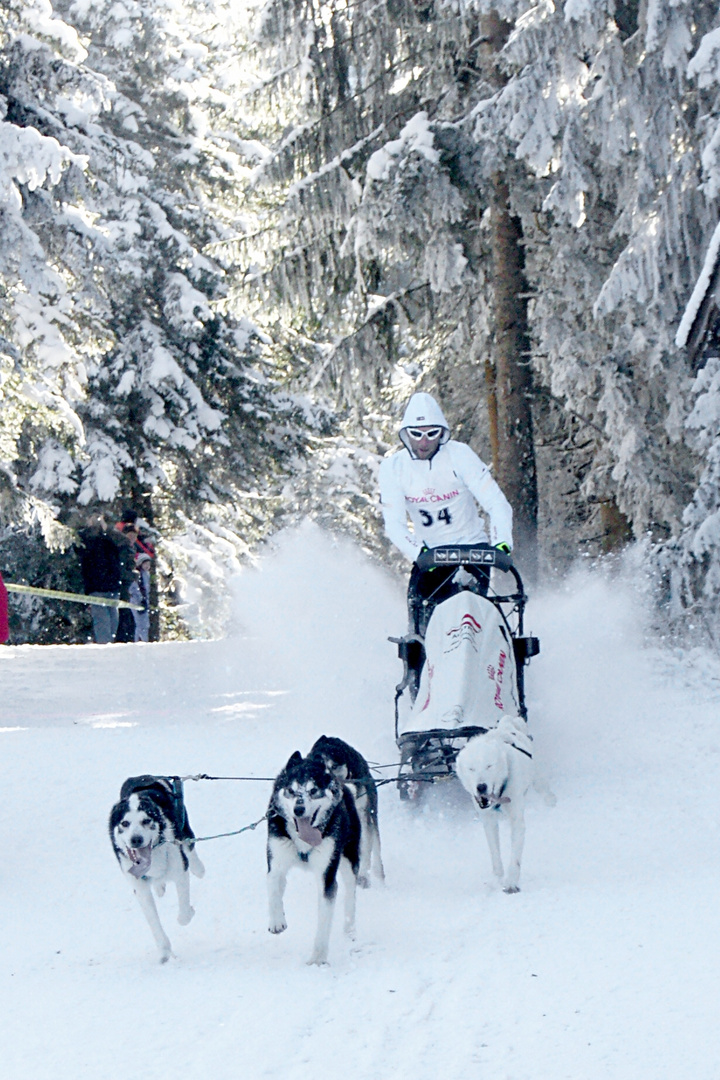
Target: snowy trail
(604,966)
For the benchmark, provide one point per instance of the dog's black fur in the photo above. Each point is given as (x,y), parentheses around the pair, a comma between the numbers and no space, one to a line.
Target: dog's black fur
(153,843)
(161,799)
(350,767)
(348,764)
(312,822)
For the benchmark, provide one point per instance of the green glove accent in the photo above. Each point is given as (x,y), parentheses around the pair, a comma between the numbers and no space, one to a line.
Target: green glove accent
(503,547)
(419,560)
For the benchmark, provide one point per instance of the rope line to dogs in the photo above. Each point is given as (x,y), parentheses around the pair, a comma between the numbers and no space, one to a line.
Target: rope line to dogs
(379,781)
(204,776)
(271,779)
(247,828)
(217,836)
(427,778)
(422,778)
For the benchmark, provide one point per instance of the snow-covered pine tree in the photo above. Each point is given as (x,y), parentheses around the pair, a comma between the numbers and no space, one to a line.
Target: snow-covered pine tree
(391,136)
(172,405)
(691,562)
(610,203)
(380,253)
(620,142)
(41,314)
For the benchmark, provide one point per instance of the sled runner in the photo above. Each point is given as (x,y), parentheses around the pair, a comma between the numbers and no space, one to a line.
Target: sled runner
(471,663)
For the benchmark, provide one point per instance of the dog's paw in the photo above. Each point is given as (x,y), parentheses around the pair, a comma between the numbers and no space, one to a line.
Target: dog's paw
(165,955)
(318,961)
(277,928)
(511,889)
(363,881)
(185,915)
(159,888)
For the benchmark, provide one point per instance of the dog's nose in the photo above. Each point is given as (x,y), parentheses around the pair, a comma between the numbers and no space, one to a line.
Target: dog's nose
(136,841)
(481,789)
(299,810)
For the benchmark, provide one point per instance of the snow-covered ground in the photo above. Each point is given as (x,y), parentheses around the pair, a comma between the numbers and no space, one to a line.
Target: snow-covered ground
(604,966)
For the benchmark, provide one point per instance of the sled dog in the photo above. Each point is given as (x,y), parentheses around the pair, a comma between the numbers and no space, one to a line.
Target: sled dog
(352,770)
(312,822)
(495,768)
(153,843)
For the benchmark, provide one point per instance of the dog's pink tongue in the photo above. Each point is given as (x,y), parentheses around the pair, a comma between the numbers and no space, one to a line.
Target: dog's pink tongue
(307,832)
(141,859)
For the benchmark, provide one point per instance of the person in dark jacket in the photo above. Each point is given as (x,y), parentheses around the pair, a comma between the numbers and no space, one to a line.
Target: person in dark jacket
(101,569)
(135,625)
(125,536)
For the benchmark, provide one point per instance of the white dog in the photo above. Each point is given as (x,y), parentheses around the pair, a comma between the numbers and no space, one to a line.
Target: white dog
(154,844)
(496,770)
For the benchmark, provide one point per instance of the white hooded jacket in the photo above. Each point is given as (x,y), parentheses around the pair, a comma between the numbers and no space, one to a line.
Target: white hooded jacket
(440,495)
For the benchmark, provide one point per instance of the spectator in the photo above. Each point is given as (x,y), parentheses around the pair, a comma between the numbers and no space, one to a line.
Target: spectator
(140,594)
(130,519)
(130,525)
(4,628)
(126,536)
(101,573)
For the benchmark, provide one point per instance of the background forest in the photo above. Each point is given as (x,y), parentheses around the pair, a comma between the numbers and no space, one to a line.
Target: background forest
(236,237)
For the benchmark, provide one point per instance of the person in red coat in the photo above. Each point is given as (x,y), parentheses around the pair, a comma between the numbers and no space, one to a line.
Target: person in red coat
(4,628)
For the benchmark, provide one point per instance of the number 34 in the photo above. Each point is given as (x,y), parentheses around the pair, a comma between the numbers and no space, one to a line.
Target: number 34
(427,518)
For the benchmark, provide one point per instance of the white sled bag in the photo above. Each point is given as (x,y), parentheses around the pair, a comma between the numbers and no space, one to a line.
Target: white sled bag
(469,677)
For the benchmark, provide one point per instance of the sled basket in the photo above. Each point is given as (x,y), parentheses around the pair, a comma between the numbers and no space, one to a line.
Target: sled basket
(428,755)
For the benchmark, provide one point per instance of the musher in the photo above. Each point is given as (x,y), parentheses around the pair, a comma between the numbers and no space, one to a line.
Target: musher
(438,483)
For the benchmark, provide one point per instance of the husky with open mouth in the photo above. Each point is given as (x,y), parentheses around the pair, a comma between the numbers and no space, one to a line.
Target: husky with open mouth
(313,823)
(154,844)
(495,769)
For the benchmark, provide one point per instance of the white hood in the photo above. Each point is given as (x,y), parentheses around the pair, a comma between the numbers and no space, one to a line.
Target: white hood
(422,411)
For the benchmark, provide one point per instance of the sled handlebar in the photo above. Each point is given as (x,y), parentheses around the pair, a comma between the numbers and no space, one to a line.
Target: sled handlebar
(472,555)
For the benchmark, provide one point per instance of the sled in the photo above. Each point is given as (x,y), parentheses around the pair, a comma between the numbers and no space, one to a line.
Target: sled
(471,661)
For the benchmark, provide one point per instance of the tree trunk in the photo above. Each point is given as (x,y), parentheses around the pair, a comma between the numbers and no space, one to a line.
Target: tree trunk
(492,409)
(512,389)
(509,386)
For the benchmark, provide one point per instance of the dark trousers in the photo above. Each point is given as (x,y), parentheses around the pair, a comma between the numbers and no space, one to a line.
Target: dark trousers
(126,625)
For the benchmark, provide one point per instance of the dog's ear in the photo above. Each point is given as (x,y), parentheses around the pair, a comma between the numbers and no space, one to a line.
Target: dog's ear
(117,814)
(294,760)
(508,728)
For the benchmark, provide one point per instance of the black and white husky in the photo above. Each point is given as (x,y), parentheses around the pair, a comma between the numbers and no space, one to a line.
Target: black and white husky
(154,844)
(496,771)
(351,769)
(313,823)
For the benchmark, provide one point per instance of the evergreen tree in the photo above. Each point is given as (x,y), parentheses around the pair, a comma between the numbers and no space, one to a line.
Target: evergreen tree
(395,127)
(144,385)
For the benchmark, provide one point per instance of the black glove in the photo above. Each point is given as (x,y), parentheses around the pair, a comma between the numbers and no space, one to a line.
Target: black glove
(425,560)
(506,560)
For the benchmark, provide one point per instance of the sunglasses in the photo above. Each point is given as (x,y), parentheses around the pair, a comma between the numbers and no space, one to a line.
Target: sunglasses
(432,433)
